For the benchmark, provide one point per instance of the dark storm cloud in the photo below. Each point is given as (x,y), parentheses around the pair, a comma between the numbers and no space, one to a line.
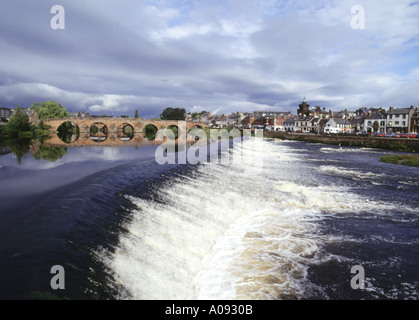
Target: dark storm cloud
(116,57)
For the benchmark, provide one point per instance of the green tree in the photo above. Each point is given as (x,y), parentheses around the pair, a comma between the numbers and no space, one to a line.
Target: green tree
(50,110)
(173,114)
(195,114)
(18,124)
(375,126)
(3,130)
(136,114)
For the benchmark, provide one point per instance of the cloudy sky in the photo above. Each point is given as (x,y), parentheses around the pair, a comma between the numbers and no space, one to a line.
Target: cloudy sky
(221,56)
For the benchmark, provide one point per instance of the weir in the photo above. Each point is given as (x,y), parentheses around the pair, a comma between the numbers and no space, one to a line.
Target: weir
(396,144)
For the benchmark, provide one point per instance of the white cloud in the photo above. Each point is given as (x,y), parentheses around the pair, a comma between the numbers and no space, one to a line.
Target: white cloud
(227,54)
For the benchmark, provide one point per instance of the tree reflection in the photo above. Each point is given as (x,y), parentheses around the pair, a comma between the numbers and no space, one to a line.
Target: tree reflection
(50,153)
(20,147)
(68,132)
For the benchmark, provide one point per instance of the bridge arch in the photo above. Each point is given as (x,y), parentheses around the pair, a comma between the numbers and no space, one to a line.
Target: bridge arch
(68,132)
(98,132)
(150,131)
(175,130)
(126,132)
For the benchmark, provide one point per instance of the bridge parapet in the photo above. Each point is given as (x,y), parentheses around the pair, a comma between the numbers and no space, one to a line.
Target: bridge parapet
(113,124)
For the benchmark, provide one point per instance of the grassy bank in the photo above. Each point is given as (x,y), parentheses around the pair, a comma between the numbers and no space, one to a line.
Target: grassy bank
(407,160)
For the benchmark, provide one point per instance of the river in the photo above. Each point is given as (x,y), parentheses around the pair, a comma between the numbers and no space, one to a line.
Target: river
(289,227)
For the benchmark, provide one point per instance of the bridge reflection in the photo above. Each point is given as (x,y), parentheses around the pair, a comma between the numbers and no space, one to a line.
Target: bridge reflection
(102,139)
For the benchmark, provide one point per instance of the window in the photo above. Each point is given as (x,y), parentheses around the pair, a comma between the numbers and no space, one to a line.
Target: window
(369,123)
(404,116)
(390,116)
(404,123)
(382,123)
(390,123)
(397,116)
(396,123)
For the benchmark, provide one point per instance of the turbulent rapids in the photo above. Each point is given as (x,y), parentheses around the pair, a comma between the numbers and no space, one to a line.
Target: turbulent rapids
(235,231)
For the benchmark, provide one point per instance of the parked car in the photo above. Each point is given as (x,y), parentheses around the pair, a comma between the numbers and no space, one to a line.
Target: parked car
(390,135)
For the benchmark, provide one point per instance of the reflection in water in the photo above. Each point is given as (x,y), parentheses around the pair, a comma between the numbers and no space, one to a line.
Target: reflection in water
(56,146)
(50,153)
(127,133)
(68,132)
(22,147)
(4,150)
(98,132)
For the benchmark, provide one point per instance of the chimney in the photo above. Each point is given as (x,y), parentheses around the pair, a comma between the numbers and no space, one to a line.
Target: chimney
(391,108)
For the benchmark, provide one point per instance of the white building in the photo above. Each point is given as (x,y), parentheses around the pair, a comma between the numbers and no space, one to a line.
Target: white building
(337,125)
(377,120)
(398,120)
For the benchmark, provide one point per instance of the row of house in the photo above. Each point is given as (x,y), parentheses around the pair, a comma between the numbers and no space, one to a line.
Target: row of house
(392,121)
(318,120)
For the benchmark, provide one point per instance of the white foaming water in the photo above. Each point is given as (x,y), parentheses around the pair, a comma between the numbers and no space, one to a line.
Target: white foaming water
(347,149)
(360,175)
(223,234)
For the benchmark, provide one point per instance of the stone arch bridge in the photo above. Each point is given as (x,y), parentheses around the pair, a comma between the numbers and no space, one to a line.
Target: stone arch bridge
(115,124)
(115,128)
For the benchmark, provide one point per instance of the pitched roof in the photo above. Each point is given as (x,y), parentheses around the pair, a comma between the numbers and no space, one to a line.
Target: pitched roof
(357,120)
(341,121)
(376,115)
(399,111)
(260,118)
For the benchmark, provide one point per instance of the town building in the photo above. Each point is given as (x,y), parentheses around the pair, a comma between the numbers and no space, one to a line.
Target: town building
(259,122)
(414,122)
(289,124)
(306,124)
(337,125)
(375,122)
(248,122)
(4,114)
(399,120)
(303,109)
(357,124)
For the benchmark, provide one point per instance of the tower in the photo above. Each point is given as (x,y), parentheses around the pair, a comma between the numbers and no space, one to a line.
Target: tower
(303,108)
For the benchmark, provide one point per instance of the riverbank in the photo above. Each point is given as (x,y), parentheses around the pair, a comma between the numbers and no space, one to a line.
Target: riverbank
(394,144)
(411,160)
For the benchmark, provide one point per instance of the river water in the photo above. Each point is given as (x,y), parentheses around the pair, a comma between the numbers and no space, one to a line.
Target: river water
(289,227)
